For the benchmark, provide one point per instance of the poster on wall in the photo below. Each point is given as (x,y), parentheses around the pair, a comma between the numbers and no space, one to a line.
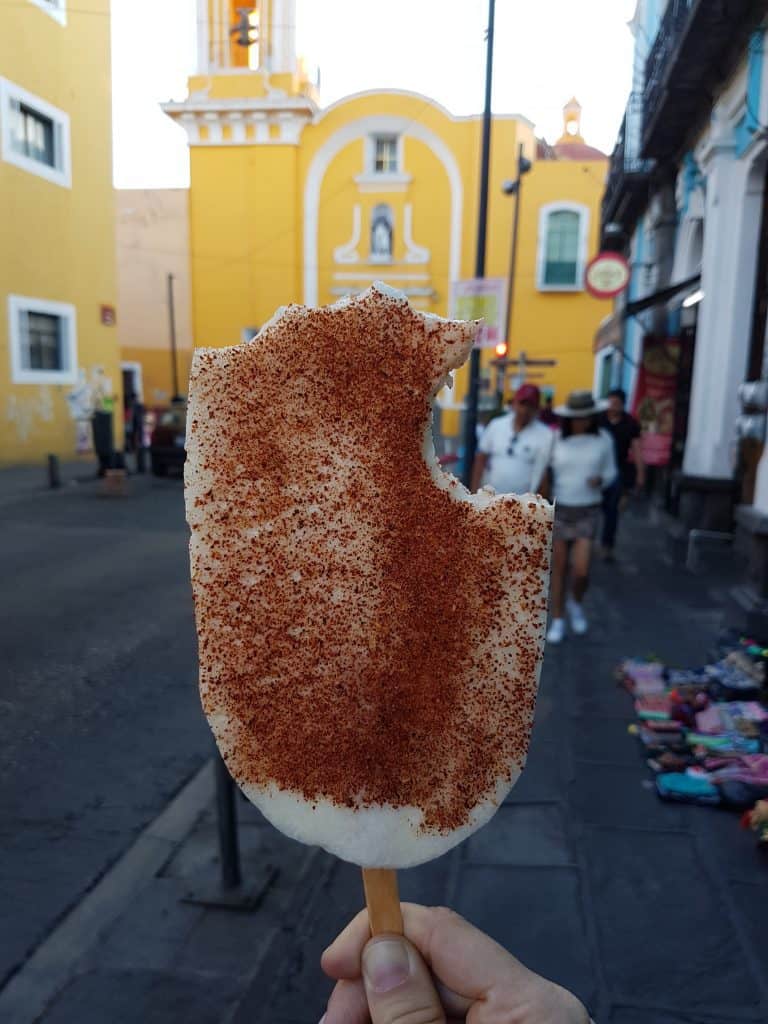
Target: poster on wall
(83,437)
(654,404)
(481,298)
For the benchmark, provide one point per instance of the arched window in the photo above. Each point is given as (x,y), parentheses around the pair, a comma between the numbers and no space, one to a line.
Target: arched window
(562,247)
(382,225)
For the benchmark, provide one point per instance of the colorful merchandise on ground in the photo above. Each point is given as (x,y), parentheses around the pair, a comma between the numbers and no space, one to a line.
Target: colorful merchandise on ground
(704,730)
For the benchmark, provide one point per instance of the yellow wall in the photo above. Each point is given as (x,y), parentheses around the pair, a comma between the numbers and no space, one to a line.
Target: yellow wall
(249,214)
(244,236)
(557,325)
(58,243)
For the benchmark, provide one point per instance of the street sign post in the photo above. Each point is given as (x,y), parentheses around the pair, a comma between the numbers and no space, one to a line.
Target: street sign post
(522,365)
(481,298)
(607,275)
(470,418)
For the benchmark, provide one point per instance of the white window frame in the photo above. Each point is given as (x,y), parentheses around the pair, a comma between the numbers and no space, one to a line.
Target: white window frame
(370,161)
(18,304)
(61,174)
(373,180)
(581,256)
(56,9)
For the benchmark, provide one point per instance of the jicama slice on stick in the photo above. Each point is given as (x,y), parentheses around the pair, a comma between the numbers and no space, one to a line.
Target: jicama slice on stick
(370,633)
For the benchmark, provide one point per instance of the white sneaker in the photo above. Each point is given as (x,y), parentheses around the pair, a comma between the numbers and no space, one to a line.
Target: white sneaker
(556,631)
(579,623)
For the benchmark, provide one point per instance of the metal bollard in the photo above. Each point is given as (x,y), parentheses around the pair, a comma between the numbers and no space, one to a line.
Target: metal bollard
(227,820)
(54,472)
(229,892)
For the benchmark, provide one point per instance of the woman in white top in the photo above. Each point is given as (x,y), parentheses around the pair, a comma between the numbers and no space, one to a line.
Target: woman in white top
(583,464)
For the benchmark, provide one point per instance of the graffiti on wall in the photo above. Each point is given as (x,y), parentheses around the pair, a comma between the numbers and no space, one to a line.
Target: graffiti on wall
(24,412)
(92,391)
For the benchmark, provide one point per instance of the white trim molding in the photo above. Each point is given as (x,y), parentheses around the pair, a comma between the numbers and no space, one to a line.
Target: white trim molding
(203,37)
(562,206)
(361,129)
(422,98)
(289,116)
(410,293)
(56,9)
(19,306)
(368,276)
(348,253)
(393,181)
(413,253)
(12,95)
(372,180)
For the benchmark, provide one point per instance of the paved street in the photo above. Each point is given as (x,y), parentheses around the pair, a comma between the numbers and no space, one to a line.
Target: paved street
(100,722)
(652,913)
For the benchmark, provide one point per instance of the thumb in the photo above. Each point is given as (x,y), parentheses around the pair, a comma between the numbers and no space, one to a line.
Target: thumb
(398,984)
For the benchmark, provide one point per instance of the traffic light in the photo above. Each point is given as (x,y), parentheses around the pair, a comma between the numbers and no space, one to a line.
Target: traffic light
(501,349)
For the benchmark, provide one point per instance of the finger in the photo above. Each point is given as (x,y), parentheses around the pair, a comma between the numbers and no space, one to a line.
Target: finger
(342,958)
(456,1006)
(398,984)
(348,1004)
(464,959)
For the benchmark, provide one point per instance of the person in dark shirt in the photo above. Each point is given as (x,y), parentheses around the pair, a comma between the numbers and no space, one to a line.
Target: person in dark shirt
(625,431)
(547,415)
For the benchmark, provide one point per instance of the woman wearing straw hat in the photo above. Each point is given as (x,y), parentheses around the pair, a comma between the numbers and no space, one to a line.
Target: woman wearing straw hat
(583,463)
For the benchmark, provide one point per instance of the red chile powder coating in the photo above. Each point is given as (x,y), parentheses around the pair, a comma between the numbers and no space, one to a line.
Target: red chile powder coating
(370,639)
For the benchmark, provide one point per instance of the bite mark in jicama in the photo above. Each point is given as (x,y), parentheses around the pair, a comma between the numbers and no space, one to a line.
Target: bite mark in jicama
(370,633)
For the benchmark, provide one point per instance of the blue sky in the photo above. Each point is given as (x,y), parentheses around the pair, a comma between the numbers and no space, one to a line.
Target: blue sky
(546,51)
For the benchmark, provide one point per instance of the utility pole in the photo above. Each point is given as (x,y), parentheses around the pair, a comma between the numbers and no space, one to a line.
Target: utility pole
(172,329)
(514,188)
(470,421)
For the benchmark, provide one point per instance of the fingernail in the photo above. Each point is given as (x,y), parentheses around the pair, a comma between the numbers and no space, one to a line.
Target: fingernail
(386,965)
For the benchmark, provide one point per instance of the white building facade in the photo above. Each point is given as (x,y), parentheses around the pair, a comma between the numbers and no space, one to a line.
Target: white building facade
(686,199)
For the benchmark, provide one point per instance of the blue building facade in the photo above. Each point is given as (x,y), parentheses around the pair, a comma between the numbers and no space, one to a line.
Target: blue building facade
(686,202)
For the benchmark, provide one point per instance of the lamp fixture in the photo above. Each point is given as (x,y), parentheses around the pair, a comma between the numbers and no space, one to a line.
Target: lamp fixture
(693,299)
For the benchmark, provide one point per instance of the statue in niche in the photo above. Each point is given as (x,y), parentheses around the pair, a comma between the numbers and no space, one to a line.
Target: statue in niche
(381,234)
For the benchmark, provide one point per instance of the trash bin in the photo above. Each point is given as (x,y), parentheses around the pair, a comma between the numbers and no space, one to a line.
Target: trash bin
(103,439)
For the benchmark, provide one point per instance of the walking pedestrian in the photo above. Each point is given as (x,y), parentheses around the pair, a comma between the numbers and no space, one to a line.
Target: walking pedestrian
(547,414)
(515,449)
(583,464)
(625,431)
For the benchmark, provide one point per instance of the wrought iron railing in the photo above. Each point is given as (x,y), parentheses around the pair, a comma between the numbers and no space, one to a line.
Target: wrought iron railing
(664,49)
(626,161)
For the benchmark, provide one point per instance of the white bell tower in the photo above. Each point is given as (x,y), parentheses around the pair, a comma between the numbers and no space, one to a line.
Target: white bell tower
(259,36)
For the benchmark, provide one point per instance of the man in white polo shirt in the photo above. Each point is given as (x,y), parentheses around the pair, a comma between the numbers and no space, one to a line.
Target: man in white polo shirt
(514,450)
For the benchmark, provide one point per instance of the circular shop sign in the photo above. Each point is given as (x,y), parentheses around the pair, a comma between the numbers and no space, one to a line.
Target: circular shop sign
(607,275)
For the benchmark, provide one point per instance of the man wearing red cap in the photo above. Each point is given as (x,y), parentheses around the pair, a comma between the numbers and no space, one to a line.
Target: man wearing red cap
(514,450)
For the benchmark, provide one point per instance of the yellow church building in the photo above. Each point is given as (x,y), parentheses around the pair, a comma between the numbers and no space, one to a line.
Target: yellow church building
(290,202)
(59,354)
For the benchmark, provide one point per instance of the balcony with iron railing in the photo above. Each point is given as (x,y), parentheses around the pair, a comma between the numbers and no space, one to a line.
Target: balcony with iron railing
(628,171)
(698,45)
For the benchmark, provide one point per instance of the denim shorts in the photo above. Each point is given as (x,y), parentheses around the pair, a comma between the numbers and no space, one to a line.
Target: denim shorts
(576,522)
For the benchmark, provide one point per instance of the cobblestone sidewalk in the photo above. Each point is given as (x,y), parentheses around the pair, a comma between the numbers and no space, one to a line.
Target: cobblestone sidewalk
(653,914)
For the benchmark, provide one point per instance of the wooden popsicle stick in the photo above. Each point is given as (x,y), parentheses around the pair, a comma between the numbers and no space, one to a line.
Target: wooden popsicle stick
(383,900)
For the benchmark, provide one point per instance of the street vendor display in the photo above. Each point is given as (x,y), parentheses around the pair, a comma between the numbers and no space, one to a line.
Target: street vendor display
(370,633)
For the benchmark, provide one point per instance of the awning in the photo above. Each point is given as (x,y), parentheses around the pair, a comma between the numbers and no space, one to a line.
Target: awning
(661,297)
(609,332)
